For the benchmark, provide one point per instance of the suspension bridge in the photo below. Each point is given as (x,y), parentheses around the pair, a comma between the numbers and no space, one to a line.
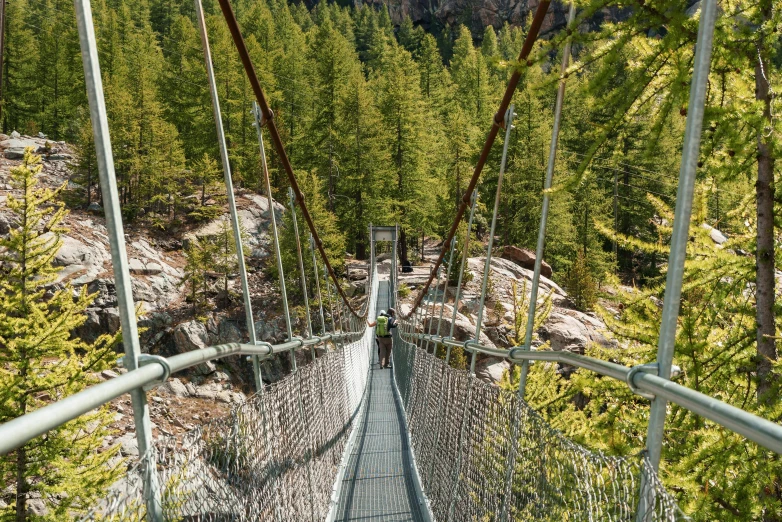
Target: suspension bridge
(342,439)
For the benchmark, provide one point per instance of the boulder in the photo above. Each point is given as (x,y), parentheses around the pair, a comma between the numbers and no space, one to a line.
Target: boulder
(91,329)
(111,319)
(228,332)
(106,290)
(153,268)
(357,274)
(491,369)
(526,258)
(175,388)
(128,445)
(76,252)
(463,330)
(136,266)
(6,224)
(14,148)
(95,208)
(190,336)
(717,236)
(573,331)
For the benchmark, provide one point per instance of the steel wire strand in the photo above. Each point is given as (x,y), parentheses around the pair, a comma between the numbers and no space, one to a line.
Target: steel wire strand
(554,478)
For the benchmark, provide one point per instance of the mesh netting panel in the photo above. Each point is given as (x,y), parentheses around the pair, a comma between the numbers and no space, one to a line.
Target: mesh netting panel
(274,458)
(463,432)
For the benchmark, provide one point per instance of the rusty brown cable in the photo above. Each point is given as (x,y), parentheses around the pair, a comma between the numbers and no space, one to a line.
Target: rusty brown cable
(268,120)
(497,123)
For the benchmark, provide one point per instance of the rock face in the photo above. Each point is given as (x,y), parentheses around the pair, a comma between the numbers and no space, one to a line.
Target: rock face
(463,330)
(525,258)
(480,14)
(572,331)
(491,369)
(13,148)
(190,336)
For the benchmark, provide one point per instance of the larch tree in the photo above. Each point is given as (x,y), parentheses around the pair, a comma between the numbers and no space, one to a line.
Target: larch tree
(401,107)
(41,361)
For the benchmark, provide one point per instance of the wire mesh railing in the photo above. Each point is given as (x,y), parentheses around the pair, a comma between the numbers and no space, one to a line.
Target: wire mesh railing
(462,432)
(267,460)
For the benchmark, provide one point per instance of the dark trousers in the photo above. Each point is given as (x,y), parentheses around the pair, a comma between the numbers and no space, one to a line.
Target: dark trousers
(384,345)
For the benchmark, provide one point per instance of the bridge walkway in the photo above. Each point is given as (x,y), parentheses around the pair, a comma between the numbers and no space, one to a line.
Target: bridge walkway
(378,482)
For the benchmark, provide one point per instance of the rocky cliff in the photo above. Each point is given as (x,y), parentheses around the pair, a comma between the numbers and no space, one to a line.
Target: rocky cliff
(478,14)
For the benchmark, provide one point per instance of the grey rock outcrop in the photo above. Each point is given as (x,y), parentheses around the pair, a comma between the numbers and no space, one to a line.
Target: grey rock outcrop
(572,331)
(478,15)
(491,369)
(190,336)
(463,330)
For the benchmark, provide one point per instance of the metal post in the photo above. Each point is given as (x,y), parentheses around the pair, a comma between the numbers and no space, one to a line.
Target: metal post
(2,58)
(681,223)
(275,234)
(431,312)
(317,285)
(119,258)
(552,156)
(465,254)
(487,264)
(511,465)
(328,291)
(445,287)
(300,257)
(248,310)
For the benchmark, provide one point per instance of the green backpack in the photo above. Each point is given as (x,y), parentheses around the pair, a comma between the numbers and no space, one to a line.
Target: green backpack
(382,326)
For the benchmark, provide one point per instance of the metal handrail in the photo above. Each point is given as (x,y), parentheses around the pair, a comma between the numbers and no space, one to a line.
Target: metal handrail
(17,432)
(757,429)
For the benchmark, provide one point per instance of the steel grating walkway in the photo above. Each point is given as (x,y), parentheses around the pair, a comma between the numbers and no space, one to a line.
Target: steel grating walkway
(378,482)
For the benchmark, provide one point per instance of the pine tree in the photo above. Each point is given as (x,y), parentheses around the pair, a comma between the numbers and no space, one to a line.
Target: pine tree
(42,361)
(61,89)
(470,77)
(401,104)
(198,259)
(86,168)
(364,173)
(332,61)
(580,284)
(20,75)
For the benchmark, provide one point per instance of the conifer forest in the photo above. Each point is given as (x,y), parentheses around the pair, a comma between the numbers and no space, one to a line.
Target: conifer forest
(383,119)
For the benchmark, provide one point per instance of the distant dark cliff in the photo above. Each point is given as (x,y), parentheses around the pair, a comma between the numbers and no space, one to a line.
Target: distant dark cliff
(478,14)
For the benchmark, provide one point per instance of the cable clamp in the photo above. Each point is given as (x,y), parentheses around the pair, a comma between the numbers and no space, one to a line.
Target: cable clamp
(145,359)
(264,119)
(653,368)
(466,344)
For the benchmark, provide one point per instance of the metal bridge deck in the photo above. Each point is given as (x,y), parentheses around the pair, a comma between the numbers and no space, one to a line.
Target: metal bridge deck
(378,481)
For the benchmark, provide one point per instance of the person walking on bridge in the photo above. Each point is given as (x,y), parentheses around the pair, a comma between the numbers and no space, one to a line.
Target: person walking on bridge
(384,323)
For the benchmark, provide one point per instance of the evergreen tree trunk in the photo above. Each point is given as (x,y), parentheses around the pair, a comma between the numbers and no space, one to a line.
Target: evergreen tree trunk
(764,192)
(21,484)
(402,241)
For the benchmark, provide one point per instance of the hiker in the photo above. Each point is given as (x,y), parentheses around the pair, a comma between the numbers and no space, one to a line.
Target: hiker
(384,322)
